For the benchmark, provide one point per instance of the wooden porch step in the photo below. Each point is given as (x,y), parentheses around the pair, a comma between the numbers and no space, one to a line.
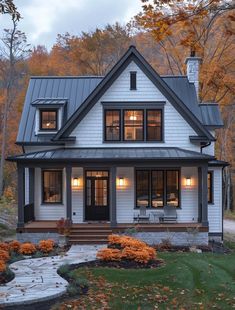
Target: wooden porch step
(93,231)
(78,241)
(88,236)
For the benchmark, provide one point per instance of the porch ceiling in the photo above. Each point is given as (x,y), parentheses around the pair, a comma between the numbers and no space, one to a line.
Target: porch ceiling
(112,154)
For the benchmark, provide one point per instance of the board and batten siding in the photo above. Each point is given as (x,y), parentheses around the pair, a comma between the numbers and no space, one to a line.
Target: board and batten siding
(215,209)
(89,132)
(47,212)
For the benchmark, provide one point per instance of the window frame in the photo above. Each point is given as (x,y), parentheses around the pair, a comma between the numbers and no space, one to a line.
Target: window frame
(133,107)
(150,207)
(42,189)
(40,119)
(105,126)
(211,201)
(133,80)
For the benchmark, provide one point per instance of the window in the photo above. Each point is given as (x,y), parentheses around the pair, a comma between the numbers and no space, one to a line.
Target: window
(52,186)
(112,125)
(157,188)
(133,80)
(48,119)
(154,125)
(210,187)
(134,125)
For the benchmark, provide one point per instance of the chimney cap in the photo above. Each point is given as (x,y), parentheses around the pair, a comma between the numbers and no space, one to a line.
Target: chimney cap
(193,58)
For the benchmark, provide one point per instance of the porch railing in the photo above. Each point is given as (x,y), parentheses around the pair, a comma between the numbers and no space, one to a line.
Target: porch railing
(29,213)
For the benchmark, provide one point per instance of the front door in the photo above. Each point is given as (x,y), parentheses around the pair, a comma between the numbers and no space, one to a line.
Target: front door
(97,196)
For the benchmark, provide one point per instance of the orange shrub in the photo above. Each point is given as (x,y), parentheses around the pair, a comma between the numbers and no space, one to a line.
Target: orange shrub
(4,256)
(4,246)
(14,245)
(27,248)
(127,248)
(46,246)
(2,266)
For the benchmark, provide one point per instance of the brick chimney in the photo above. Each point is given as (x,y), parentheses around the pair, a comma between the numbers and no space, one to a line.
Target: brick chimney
(193,64)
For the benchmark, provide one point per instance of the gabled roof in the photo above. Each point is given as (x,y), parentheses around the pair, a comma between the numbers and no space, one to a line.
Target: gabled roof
(132,55)
(111,154)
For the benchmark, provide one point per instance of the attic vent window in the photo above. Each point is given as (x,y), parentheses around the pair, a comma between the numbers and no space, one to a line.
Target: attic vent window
(48,119)
(132,80)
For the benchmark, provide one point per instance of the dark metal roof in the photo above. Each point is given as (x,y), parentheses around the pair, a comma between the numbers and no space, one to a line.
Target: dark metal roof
(51,101)
(112,154)
(210,114)
(219,163)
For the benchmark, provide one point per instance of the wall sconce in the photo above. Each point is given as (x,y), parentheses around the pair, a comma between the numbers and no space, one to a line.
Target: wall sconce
(121,181)
(75,182)
(188,182)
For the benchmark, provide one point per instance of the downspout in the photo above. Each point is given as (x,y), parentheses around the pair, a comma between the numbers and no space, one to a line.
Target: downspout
(203,146)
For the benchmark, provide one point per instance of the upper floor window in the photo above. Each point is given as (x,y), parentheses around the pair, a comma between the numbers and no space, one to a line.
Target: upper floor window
(48,119)
(133,80)
(133,125)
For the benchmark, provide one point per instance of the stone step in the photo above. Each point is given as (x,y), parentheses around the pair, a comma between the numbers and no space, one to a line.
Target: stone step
(88,236)
(86,241)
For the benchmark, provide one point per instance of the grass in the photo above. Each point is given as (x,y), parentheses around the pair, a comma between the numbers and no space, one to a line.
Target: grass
(187,281)
(229,215)
(6,232)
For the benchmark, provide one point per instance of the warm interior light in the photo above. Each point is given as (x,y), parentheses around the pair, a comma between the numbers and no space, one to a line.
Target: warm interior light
(48,124)
(133,118)
(121,181)
(75,182)
(188,182)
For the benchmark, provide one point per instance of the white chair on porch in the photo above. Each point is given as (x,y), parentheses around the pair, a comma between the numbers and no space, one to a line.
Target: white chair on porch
(142,217)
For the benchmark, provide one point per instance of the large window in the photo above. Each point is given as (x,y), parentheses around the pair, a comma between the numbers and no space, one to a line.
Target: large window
(48,119)
(157,188)
(133,125)
(112,125)
(210,187)
(52,186)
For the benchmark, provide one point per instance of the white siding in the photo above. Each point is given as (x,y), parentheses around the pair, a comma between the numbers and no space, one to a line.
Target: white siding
(77,196)
(89,132)
(210,150)
(215,209)
(46,211)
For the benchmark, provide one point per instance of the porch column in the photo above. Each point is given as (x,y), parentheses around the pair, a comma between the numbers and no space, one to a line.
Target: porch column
(21,195)
(199,195)
(204,173)
(68,192)
(31,185)
(113,203)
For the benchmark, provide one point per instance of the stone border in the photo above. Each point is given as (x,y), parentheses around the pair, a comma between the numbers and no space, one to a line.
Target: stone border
(37,280)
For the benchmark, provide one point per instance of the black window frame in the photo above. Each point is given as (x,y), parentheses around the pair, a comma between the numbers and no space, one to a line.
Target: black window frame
(40,121)
(133,80)
(61,184)
(150,206)
(211,187)
(105,126)
(122,110)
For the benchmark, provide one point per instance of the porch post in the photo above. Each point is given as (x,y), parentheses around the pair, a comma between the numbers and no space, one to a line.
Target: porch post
(199,195)
(204,196)
(68,192)
(31,185)
(21,195)
(113,204)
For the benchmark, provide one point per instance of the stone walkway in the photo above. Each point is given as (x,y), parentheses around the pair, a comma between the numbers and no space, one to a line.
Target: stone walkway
(37,279)
(229,226)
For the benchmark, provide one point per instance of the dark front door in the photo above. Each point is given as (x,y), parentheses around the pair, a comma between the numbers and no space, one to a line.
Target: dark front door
(97,196)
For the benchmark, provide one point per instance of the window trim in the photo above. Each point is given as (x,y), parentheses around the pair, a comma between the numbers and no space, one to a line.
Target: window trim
(164,169)
(42,189)
(40,120)
(211,172)
(133,74)
(120,125)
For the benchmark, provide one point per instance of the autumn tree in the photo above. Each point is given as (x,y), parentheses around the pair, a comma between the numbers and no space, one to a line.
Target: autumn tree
(8,7)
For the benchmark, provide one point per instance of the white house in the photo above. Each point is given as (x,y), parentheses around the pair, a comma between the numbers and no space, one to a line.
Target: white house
(109,152)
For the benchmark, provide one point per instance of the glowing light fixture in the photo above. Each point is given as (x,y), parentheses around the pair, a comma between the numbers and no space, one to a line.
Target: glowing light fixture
(121,181)
(133,118)
(75,182)
(188,182)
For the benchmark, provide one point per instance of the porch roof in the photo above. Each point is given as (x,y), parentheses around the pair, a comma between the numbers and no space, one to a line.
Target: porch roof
(112,154)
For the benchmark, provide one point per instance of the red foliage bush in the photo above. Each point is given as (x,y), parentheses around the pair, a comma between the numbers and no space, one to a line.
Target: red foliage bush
(4,246)
(2,266)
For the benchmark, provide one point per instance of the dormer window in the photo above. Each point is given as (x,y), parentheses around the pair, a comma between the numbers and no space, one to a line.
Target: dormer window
(132,80)
(49,119)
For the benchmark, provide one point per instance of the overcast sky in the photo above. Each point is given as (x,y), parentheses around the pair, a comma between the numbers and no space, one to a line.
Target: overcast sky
(44,19)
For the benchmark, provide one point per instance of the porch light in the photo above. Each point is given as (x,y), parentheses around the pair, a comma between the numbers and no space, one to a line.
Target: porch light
(75,182)
(188,182)
(121,181)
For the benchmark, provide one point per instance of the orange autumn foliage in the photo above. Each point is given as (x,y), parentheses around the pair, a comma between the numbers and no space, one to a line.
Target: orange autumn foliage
(4,256)
(127,248)
(14,245)
(46,246)
(2,266)
(27,248)
(4,246)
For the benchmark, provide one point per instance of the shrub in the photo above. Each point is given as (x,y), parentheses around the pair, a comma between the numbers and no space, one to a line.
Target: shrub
(63,226)
(2,266)
(46,246)
(128,248)
(14,245)
(4,246)
(4,256)
(27,248)
(63,270)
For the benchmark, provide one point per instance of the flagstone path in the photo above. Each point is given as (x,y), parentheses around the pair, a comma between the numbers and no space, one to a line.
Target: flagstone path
(37,279)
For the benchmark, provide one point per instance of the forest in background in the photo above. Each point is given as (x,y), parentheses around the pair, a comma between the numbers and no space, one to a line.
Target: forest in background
(165,32)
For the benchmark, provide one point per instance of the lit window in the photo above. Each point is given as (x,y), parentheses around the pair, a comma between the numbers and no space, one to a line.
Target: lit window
(48,119)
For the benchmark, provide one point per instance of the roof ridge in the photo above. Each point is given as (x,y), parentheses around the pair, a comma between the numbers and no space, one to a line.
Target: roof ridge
(67,77)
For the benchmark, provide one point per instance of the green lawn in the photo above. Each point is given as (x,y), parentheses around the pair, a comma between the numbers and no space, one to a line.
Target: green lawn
(187,281)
